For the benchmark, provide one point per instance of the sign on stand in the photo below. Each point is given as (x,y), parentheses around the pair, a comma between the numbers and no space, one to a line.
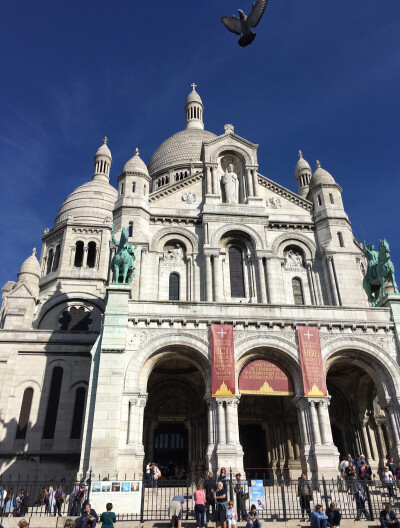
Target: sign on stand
(124,495)
(257,494)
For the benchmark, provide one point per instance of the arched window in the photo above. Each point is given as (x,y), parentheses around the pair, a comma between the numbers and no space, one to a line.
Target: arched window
(56,260)
(79,408)
(91,255)
(236,272)
(78,254)
(130,229)
(50,257)
(340,238)
(331,198)
(52,404)
(133,187)
(297,291)
(24,414)
(174,287)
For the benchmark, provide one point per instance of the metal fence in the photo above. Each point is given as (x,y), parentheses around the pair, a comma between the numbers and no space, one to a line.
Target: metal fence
(281,501)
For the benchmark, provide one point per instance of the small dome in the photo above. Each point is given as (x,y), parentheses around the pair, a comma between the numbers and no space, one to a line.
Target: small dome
(321,176)
(301,165)
(104,150)
(92,201)
(30,267)
(182,147)
(194,97)
(136,164)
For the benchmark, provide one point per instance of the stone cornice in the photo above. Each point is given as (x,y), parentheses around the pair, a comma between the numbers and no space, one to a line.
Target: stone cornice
(285,193)
(175,187)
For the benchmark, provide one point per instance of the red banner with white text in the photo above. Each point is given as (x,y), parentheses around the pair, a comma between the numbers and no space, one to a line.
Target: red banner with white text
(311,361)
(265,377)
(223,360)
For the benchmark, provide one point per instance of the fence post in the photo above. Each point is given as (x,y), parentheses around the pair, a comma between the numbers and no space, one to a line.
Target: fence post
(90,485)
(230,485)
(371,511)
(325,493)
(142,500)
(187,498)
(283,502)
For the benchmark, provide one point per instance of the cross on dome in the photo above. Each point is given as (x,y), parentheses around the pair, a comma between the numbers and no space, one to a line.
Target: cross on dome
(136,151)
(33,252)
(300,154)
(105,140)
(194,86)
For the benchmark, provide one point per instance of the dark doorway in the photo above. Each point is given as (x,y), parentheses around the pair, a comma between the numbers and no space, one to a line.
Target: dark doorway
(170,445)
(252,438)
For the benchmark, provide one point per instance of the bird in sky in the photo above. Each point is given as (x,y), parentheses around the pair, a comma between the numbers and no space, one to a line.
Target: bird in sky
(242,26)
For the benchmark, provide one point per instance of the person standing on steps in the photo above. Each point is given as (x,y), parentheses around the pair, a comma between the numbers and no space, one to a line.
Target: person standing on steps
(305,494)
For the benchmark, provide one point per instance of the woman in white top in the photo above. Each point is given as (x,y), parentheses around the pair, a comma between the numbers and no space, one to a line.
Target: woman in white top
(388,478)
(231,515)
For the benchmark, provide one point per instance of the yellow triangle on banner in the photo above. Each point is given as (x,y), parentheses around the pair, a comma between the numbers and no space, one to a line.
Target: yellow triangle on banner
(223,391)
(315,391)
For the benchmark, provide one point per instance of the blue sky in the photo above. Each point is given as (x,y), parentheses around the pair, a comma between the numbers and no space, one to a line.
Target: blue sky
(323,76)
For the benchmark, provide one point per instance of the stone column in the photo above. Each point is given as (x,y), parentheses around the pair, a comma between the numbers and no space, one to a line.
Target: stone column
(216,277)
(261,280)
(271,295)
(215,187)
(132,424)
(142,278)
(289,442)
(324,422)
(364,422)
(211,430)
(209,296)
(195,286)
(314,422)
(332,281)
(250,183)
(208,181)
(221,421)
(255,182)
(85,254)
(311,284)
(160,259)
(139,432)
(393,412)
(232,423)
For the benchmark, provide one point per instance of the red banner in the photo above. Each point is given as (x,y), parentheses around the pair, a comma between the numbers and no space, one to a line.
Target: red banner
(223,360)
(311,361)
(265,377)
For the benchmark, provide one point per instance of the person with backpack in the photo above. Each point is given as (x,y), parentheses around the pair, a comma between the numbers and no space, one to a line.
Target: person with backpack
(360,497)
(108,518)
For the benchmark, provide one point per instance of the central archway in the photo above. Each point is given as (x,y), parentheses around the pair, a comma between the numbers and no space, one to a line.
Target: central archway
(175,419)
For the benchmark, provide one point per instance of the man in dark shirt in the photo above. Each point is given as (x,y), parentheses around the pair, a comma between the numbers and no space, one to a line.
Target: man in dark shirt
(89,517)
(241,495)
(388,518)
(221,498)
(209,487)
(334,516)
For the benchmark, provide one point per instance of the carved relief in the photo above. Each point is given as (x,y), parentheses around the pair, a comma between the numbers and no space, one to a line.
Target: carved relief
(174,257)
(274,202)
(189,198)
(293,260)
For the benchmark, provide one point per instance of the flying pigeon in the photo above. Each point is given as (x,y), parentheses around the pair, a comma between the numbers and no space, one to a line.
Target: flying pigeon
(242,26)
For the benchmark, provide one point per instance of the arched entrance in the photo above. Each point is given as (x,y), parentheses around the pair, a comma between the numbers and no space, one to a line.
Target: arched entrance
(175,419)
(268,425)
(360,425)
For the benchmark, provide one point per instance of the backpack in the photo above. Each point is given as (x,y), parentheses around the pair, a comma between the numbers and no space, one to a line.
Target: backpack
(58,494)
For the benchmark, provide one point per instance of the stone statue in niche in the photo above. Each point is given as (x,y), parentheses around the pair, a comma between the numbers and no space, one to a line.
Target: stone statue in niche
(293,260)
(231,184)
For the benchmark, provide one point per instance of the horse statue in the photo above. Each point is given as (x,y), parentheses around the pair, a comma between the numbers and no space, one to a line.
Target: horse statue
(123,262)
(380,269)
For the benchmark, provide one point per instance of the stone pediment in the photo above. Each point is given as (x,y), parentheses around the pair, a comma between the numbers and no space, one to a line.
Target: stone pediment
(21,290)
(230,142)
(278,195)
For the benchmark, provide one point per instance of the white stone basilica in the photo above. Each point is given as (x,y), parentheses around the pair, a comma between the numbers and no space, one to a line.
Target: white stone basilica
(102,376)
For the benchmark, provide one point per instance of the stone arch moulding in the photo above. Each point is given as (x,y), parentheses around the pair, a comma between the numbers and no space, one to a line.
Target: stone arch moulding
(140,365)
(174,232)
(370,358)
(68,297)
(255,237)
(35,385)
(278,350)
(233,148)
(307,245)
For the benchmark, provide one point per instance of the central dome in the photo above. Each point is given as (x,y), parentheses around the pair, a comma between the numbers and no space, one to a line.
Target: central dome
(182,147)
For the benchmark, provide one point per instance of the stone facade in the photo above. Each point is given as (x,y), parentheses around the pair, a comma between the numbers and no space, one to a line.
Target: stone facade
(217,242)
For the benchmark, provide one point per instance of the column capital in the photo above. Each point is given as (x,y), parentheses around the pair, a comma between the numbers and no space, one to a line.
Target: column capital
(142,400)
